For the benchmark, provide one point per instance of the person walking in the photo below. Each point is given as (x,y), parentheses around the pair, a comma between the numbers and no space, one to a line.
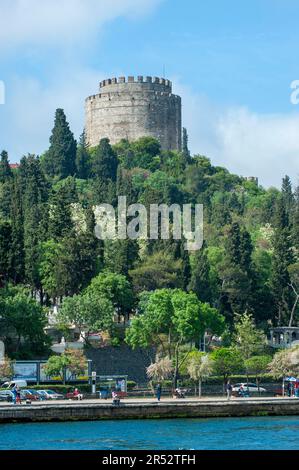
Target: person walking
(14,395)
(229,389)
(18,399)
(296,388)
(158,392)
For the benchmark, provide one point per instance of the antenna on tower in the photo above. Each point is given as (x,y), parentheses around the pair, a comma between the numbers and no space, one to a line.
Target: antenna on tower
(163,71)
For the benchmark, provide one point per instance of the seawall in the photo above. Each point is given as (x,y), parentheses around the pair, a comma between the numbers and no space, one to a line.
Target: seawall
(73,411)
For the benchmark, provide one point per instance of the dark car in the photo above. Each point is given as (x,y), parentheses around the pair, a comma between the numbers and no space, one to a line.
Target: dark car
(37,395)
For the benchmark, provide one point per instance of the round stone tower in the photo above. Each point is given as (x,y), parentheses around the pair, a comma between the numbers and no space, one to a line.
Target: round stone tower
(134,108)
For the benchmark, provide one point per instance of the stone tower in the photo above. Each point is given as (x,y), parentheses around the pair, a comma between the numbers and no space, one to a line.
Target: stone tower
(134,108)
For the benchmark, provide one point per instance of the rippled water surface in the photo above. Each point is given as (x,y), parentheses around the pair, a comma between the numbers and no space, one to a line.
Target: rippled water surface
(207,434)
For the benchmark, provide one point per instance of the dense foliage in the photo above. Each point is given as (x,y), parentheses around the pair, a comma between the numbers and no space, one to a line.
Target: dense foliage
(49,253)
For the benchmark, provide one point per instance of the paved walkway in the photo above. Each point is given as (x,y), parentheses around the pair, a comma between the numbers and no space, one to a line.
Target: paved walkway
(164,400)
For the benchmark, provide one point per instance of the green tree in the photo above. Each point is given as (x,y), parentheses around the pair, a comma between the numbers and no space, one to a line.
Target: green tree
(282,259)
(5,252)
(35,196)
(120,256)
(60,160)
(76,361)
(117,289)
(56,365)
(104,162)
(159,270)
(185,149)
(257,365)
(226,361)
(171,319)
(287,196)
(17,234)
(82,158)
(248,339)
(88,311)
(295,220)
(5,170)
(200,278)
(22,323)
(60,218)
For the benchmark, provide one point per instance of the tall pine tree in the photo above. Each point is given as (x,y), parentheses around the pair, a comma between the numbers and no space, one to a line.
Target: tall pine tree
(60,160)
(82,159)
(282,258)
(5,170)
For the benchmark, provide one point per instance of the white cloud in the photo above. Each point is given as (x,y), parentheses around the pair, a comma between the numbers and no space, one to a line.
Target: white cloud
(27,117)
(56,22)
(245,142)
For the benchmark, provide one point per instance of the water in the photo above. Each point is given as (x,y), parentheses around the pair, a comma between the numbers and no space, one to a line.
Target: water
(266,433)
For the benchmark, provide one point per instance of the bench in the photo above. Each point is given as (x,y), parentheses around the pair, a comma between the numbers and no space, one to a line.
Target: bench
(71,396)
(121,394)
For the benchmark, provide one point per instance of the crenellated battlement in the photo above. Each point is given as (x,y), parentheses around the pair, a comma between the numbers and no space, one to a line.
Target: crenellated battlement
(140,79)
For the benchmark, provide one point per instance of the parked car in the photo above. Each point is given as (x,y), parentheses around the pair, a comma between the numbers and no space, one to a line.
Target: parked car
(6,395)
(37,394)
(29,395)
(248,387)
(51,395)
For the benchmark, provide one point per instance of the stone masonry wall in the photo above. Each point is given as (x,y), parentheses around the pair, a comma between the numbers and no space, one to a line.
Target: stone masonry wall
(132,109)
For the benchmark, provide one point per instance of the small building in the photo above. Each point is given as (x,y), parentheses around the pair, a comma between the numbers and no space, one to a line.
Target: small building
(284,337)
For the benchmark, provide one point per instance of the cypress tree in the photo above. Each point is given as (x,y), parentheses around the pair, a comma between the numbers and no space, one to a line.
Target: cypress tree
(200,278)
(282,258)
(105,162)
(5,252)
(5,170)
(185,149)
(82,159)
(17,223)
(295,224)
(60,160)
(34,195)
(60,221)
(287,196)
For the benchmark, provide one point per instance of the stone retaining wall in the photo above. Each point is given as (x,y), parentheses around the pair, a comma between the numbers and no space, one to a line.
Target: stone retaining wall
(90,412)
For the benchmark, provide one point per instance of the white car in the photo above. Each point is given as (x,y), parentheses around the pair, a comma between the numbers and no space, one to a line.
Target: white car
(50,395)
(250,387)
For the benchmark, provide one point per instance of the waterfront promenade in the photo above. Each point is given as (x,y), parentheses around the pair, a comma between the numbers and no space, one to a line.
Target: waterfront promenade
(130,408)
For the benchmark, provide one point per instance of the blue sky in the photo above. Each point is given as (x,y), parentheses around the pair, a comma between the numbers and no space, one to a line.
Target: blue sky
(231,61)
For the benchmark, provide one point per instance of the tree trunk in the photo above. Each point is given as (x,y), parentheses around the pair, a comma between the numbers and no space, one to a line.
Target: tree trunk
(294,306)
(247,378)
(176,370)
(258,384)
(199,389)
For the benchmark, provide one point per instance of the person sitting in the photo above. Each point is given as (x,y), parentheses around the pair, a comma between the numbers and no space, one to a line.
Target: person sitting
(115,398)
(77,394)
(178,393)
(243,392)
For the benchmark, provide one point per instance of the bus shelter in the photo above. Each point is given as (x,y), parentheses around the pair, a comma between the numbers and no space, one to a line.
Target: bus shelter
(106,384)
